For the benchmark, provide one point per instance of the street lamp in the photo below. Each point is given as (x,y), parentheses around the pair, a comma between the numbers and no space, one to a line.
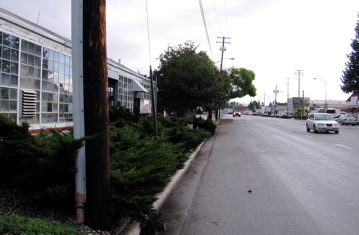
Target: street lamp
(325,102)
(224,59)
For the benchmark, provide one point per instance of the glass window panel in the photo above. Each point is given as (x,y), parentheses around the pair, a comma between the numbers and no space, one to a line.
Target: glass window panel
(43,106)
(56,56)
(67,69)
(23,58)
(50,97)
(31,60)
(56,87)
(51,65)
(56,76)
(62,68)
(4,105)
(5,79)
(45,53)
(31,48)
(14,55)
(56,66)
(13,80)
(49,107)
(6,39)
(30,71)
(61,78)
(37,84)
(37,62)
(0,37)
(4,93)
(51,54)
(70,60)
(13,105)
(45,64)
(37,72)
(23,70)
(55,107)
(62,58)
(38,50)
(12,116)
(45,74)
(6,53)
(44,96)
(14,68)
(14,42)
(51,75)
(5,66)
(44,85)
(70,108)
(50,85)
(24,45)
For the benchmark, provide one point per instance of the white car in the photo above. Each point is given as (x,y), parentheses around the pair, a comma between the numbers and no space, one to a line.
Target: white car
(321,122)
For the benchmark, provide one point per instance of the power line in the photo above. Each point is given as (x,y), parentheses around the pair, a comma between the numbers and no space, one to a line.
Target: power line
(219,23)
(148,35)
(205,26)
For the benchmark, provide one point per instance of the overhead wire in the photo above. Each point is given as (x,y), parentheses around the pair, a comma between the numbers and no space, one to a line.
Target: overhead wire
(148,35)
(205,27)
(219,23)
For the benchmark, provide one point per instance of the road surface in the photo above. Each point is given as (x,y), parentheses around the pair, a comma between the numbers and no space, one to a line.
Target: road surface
(263,175)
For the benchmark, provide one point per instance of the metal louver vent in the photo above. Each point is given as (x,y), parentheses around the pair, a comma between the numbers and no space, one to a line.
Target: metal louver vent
(28,103)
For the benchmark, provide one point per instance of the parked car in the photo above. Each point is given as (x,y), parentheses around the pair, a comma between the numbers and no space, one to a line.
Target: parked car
(321,122)
(236,114)
(346,120)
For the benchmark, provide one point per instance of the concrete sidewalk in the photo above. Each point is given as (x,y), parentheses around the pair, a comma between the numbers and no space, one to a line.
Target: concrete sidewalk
(183,184)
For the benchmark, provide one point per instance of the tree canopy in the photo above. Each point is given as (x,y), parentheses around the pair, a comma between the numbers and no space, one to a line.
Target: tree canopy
(187,79)
(241,80)
(350,77)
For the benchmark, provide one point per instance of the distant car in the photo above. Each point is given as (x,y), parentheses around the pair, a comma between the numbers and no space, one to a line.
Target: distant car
(346,120)
(321,122)
(236,114)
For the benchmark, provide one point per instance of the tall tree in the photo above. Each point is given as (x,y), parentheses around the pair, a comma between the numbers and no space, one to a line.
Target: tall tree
(242,82)
(350,77)
(188,79)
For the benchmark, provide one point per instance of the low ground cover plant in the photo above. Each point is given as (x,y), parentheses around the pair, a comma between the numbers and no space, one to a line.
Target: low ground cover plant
(17,225)
(141,164)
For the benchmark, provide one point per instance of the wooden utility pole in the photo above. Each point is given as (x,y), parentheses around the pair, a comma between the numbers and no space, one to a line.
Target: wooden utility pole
(96,114)
(222,48)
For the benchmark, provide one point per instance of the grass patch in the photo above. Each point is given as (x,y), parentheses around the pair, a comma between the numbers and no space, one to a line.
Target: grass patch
(14,225)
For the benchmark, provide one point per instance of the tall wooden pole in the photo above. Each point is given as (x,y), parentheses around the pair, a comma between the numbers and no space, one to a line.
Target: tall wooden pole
(96,114)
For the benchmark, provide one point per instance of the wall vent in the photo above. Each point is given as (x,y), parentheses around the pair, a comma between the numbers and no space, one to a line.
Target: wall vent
(28,103)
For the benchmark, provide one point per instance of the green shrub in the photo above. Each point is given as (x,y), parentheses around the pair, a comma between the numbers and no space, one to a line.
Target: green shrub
(16,225)
(42,165)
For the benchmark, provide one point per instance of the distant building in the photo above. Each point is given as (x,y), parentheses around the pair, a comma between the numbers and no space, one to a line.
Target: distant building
(36,77)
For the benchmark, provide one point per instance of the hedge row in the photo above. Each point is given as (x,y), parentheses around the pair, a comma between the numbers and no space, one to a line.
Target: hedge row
(43,165)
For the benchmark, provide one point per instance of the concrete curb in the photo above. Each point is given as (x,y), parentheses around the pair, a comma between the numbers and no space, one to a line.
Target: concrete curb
(135,228)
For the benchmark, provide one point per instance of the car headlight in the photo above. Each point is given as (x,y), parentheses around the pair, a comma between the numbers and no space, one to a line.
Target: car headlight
(321,124)
(336,124)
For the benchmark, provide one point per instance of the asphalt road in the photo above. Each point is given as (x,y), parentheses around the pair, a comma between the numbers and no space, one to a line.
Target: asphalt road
(262,175)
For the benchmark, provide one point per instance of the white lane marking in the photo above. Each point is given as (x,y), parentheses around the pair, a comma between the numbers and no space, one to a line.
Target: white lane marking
(309,136)
(343,146)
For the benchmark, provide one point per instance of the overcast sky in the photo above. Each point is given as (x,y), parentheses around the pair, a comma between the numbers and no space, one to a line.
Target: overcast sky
(273,38)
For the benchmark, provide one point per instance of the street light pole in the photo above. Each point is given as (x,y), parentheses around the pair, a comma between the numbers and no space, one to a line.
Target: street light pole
(325,101)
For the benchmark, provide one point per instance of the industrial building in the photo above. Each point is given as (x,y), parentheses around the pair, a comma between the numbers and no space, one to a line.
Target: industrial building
(36,84)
